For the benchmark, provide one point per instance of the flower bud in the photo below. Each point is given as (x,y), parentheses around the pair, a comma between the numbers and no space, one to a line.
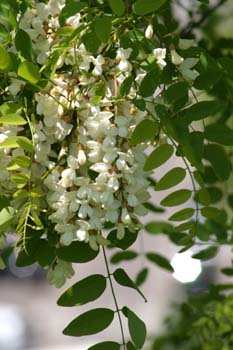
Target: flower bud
(120,231)
(149,31)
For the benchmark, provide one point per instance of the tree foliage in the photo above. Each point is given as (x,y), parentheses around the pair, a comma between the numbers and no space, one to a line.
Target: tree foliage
(95,96)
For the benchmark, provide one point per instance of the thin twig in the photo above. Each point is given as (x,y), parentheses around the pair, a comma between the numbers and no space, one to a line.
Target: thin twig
(115,299)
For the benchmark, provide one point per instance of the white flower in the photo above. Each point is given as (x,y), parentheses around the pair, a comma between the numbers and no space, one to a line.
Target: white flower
(67,238)
(113,183)
(93,242)
(67,178)
(72,162)
(140,210)
(85,210)
(98,62)
(57,275)
(125,217)
(149,31)
(81,157)
(15,86)
(100,167)
(121,164)
(122,58)
(82,235)
(160,55)
(102,240)
(3,137)
(74,21)
(132,200)
(176,58)
(123,54)
(185,68)
(120,231)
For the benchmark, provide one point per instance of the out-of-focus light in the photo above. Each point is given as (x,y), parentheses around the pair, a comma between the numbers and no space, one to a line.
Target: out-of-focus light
(13,329)
(186,269)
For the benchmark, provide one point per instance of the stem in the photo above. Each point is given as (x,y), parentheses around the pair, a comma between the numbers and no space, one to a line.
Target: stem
(114,298)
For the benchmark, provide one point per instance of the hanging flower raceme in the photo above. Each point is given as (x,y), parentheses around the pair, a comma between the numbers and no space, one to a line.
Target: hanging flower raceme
(83,163)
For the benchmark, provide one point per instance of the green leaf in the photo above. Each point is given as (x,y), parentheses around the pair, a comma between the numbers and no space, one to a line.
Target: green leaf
(121,256)
(182,215)
(194,149)
(176,198)
(9,108)
(140,104)
(206,254)
(141,276)
(184,226)
(5,255)
(20,179)
(219,133)
(207,80)
(137,328)
(158,157)
(200,110)
(144,131)
(123,279)
(84,291)
(2,264)
(126,242)
(70,9)
(156,227)
(25,143)
(130,346)
(23,44)
(45,254)
(230,200)
(5,60)
(202,196)
(103,27)
(17,141)
(228,271)
(215,194)
(26,255)
(12,119)
(90,322)
(65,31)
(29,71)
(143,7)
(4,201)
(151,207)
(160,261)
(126,85)
(210,212)
(172,178)
(150,82)
(106,345)
(177,94)
(21,161)
(118,7)
(78,252)
(219,160)
(6,216)
(91,42)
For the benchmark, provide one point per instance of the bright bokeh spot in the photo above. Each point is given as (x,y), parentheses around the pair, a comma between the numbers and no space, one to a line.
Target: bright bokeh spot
(186,269)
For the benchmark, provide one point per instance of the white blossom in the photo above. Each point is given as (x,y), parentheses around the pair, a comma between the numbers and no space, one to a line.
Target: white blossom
(160,55)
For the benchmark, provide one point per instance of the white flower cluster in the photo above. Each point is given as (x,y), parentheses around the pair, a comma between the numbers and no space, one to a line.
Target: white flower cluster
(41,23)
(81,136)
